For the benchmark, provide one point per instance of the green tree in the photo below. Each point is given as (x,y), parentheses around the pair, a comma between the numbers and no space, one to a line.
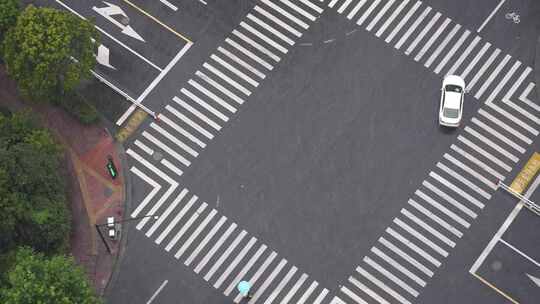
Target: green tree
(9,10)
(37,279)
(32,191)
(49,52)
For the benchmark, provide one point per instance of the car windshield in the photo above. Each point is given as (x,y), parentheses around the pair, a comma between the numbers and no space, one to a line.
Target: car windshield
(450,113)
(452,88)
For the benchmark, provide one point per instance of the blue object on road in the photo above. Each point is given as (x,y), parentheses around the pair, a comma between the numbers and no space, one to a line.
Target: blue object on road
(243,288)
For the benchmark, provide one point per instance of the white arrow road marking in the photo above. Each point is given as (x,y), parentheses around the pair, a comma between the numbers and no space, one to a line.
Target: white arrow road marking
(111,10)
(102,56)
(534,279)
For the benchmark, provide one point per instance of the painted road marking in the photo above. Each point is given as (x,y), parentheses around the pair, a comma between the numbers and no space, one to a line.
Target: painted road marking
(520,252)
(244,270)
(216,246)
(514,119)
(522,111)
(475,60)
(249,54)
(391,18)
(391,277)
(185,227)
(235,70)
(175,140)
(381,285)
(432,39)
(277,21)
(196,112)
(443,209)
(171,167)
(299,10)
(419,235)
(269,28)
(412,28)
(181,130)
(190,122)
(205,241)
(214,97)
(490,16)
(398,266)
(498,135)
(227,79)
(206,106)
(441,46)
(155,188)
(112,10)
(343,6)
(492,76)
(452,51)
(281,285)
(505,127)
(294,289)
(483,69)
(464,55)
(490,143)
(157,292)
(368,291)
(258,273)
(464,181)
(477,162)
(321,296)
(484,153)
(503,82)
(176,219)
(221,88)
(307,293)
(435,218)
(235,262)
(368,12)
(241,62)
(286,14)
(166,148)
(144,147)
(169,5)
(264,38)
(469,170)
(355,10)
(166,213)
(428,228)
(379,15)
(406,257)
(456,189)
(195,233)
(403,21)
(352,295)
(413,247)
(510,93)
(523,97)
(312,6)
(424,31)
(269,280)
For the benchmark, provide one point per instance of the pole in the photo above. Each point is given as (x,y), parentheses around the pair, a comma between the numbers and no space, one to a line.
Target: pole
(103,239)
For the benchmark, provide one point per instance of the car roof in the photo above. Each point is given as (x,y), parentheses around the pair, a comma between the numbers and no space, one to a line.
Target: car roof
(452,100)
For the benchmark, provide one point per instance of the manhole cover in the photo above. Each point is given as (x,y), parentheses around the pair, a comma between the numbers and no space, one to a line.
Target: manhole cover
(497,265)
(107,192)
(157,156)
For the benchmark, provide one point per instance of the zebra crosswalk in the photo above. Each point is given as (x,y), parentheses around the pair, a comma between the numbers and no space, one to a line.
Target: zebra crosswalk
(440,211)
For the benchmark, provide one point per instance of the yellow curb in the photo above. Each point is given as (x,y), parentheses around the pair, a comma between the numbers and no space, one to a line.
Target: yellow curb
(131,126)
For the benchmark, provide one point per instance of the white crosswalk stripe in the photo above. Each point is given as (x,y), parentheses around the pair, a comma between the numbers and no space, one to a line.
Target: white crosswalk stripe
(205,241)
(225,255)
(490,143)
(498,135)
(523,97)
(391,18)
(307,293)
(277,21)
(443,209)
(214,249)
(190,122)
(398,266)
(492,76)
(299,10)
(356,8)
(195,233)
(235,262)
(352,295)
(423,33)
(166,213)
(343,6)
(435,218)
(477,162)
(181,130)
(464,55)
(475,60)
(270,29)
(503,82)
(464,181)
(244,270)
(412,29)
(456,189)
(505,126)
(483,69)
(185,227)
(368,291)
(294,289)
(381,285)
(175,140)
(368,12)
(468,169)
(379,15)
(234,70)
(403,21)
(432,39)
(391,276)
(213,96)
(249,54)
(268,281)
(413,247)
(286,14)
(281,285)
(484,153)
(512,118)
(452,51)
(406,257)
(441,46)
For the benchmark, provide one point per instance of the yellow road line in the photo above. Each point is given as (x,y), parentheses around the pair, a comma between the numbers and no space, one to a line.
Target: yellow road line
(158,22)
(495,288)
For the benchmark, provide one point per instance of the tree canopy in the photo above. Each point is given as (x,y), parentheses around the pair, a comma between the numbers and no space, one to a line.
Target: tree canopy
(49,51)
(32,191)
(36,279)
(9,10)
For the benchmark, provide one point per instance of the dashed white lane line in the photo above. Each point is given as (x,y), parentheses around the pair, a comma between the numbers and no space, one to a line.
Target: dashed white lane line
(156,293)
(169,5)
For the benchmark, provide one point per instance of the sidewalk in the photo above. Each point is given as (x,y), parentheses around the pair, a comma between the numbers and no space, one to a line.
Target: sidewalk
(92,193)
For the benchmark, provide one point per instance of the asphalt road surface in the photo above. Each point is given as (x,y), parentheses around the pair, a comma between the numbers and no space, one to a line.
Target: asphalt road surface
(297,147)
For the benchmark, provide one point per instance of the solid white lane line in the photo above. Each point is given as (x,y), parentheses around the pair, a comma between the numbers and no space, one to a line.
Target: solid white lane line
(258,273)
(277,21)
(355,9)
(213,96)
(190,122)
(166,148)
(413,247)
(381,285)
(312,6)
(215,248)
(428,228)
(411,29)
(391,277)
(203,104)
(307,293)
(520,252)
(175,140)
(249,54)
(464,181)
(443,209)
(391,18)
(294,289)
(503,82)
(181,130)
(398,266)
(267,282)
(155,188)
(256,45)
(205,241)
(281,285)
(286,14)
(158,290)
(498,135)
(441,46)
(475,60)
(166,213)
(343,6)
(483,69)
(227,79)
(235,71)
(523,97)
(143,147)
(368,12)
(522,111)
(368,291)
(514,119)
(490,78)
(510,93)
(352,295)
(219,87)
(321,296)
(235,262)
(491,144)
(423,33)
(264,38)
(406,257)
(176,219)
(432,39)
(402,22)
(299,10)
(436,218)
(490,16)
(186,226)
(225,255)
(269,28)
(244,270)
(505,127)
(469,170)
(171,167)
(478,162)
(379,15)
(452,51)
(456,189)
(464,55)
(484,153)
(195,234)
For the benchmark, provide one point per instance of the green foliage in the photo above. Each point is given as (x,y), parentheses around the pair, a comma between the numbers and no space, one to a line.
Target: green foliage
(9,10)
(32,191)
(36,279)
(76,105)
(49,52)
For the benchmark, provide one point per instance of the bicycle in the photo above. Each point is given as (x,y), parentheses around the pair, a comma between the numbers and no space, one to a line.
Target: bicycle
(514,16)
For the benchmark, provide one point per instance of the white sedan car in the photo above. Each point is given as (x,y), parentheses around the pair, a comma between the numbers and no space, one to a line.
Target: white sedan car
(451,108)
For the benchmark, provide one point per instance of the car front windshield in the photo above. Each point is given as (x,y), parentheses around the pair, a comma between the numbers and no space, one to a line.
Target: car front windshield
(450,113)
(452,88)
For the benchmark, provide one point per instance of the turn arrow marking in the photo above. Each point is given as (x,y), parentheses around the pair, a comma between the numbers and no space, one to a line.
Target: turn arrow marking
(112,10)
(102,56)
(534,279)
